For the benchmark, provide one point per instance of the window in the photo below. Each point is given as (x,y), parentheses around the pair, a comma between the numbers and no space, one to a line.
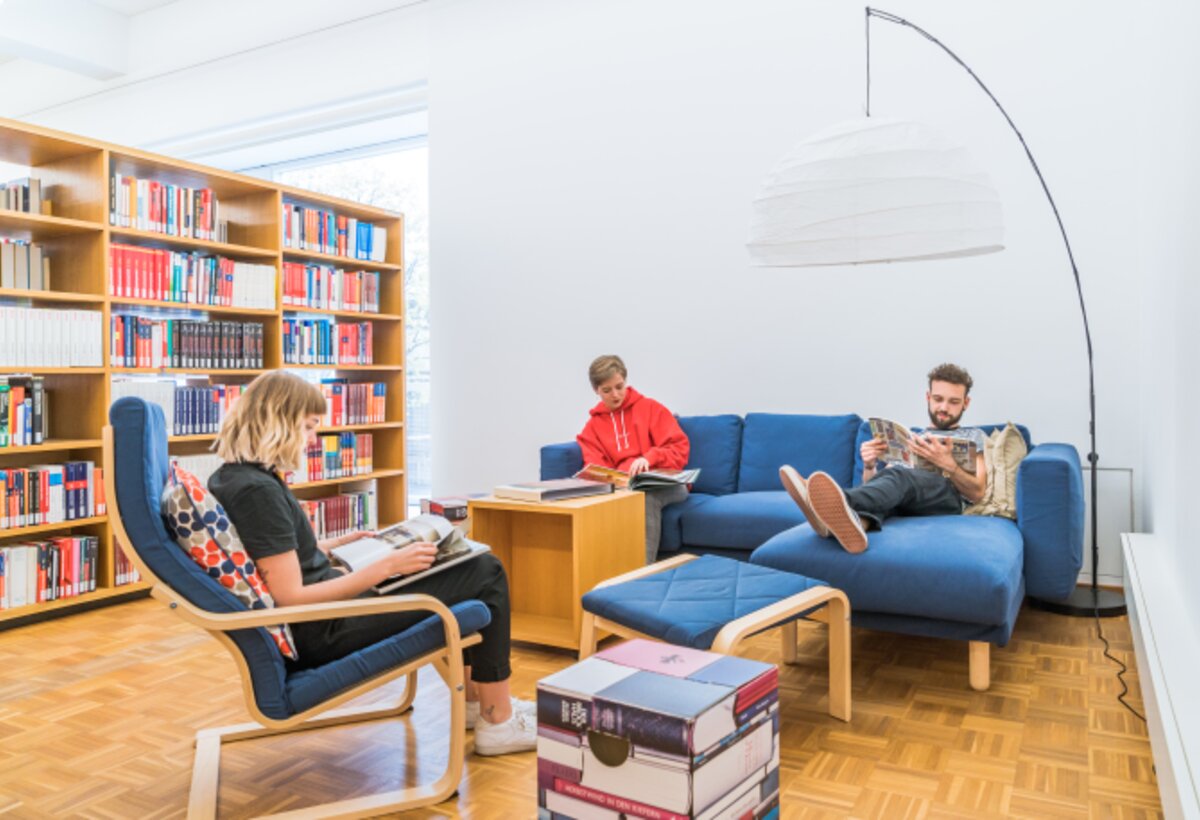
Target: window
(396,178)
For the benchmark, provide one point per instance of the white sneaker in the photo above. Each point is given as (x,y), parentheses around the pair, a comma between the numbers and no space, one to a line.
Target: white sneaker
(517,734)
(526,706)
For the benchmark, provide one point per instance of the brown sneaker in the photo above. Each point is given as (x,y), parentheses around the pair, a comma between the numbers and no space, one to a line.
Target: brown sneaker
(830,504)
(797,488)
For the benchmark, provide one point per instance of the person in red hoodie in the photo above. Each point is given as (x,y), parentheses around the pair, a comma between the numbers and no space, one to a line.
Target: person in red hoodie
(628,431)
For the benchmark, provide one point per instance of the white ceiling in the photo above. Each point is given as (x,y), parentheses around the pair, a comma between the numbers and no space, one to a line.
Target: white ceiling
(131,7)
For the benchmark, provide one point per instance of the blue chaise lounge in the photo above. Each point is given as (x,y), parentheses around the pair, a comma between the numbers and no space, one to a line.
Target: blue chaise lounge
(959,577)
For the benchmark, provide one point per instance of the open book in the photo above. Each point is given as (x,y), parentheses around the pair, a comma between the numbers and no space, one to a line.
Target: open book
(453,548)
(647,479)
(900,451)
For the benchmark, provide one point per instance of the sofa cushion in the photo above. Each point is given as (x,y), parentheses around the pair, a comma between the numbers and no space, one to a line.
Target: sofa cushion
(958,568)
(864,433)
(808,443)
(671,539)
(740,521)
(716,450)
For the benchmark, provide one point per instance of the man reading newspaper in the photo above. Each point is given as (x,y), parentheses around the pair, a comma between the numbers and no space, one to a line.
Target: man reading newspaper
(931,482)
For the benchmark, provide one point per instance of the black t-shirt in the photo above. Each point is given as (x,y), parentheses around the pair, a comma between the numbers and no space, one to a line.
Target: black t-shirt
(268,518)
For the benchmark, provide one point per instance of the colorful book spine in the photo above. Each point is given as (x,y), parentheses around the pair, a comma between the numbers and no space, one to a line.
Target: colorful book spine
(325,287)
(338,455)
(142,342)
(158,207)
(325,342)
(189,278)
(315,229)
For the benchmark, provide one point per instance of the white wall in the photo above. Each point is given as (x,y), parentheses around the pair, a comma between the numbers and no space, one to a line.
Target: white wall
(592,166)
(1169,269)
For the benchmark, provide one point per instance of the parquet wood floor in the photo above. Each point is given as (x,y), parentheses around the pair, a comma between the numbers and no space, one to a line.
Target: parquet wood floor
(98,711)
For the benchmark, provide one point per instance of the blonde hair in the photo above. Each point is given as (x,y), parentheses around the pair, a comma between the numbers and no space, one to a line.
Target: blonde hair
(265,424)
(604,368)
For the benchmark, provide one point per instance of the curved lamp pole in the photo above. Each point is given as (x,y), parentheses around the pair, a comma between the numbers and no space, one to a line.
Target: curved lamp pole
(1084,601)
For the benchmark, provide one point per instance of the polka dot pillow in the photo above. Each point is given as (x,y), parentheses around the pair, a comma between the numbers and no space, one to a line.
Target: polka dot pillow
(203,530)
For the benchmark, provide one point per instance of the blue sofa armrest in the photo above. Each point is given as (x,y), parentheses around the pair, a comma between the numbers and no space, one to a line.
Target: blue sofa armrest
(1050,510)
(561,460)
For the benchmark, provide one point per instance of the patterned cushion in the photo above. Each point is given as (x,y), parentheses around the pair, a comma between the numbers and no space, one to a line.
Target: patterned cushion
(203,530)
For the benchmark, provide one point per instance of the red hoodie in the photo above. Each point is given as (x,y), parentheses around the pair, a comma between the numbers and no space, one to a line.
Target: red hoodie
(641,428)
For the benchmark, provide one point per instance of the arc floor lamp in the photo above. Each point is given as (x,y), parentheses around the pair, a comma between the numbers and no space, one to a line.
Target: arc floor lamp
(876,190)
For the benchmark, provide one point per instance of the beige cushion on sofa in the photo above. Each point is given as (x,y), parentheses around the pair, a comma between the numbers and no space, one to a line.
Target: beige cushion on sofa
(1005,449)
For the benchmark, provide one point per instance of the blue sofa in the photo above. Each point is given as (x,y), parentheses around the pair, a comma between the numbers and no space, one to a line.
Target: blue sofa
(960,577)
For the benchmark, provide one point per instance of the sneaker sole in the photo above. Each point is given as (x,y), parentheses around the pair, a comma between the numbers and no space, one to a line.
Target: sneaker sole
(830,504)
(797,489)
(510,749)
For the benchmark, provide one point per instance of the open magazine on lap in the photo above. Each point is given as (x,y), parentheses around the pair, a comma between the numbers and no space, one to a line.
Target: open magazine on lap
(647,479)
(898,438)
(452,548)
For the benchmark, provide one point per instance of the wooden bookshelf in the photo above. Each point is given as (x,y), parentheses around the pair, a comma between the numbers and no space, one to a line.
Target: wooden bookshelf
(76,235)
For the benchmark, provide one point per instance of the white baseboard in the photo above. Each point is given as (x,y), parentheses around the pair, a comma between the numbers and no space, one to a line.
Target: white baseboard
(1165,640)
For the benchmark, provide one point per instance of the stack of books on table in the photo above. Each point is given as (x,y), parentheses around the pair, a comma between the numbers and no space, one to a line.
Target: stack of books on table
(647,729)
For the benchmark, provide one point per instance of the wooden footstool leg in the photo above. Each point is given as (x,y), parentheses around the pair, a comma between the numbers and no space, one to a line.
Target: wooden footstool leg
(789,636)
(587,636)
(839,657)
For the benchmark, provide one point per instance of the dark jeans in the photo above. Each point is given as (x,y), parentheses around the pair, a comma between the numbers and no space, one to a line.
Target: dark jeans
(903,491)
(482,579)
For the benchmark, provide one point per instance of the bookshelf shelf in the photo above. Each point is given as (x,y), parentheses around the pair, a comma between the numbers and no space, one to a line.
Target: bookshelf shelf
(152,238)
(54,445)
(344,428)
(366,368)
(182,371)
(66,604)
(345,314)
(344,261)
(193,307)
(21,532)
(39,227)
(47,297)
(77,177)
(333,482)
(52,371)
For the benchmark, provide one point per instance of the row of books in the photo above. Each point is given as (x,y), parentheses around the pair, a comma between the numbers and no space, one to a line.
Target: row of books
(24,265)
(23,195)
(316,229)
(42,337)
(189,410)
(323,341)
(347,403)
(337,455)
(174,210)
(33,572)
(138,341)
(328,288)
(190,278)
(23,411)
(343,514)
(124,572)
(50,494)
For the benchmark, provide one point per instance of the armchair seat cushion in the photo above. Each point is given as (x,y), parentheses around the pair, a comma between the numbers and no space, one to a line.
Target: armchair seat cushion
(958,568)
(741,520)
(307,688)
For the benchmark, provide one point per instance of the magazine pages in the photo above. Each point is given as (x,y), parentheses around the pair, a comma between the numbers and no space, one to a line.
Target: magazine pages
(898,438)
(453,548)
(641,481)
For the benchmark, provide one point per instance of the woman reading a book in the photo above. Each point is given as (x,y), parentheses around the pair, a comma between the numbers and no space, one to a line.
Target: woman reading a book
(630,432)
(265,434)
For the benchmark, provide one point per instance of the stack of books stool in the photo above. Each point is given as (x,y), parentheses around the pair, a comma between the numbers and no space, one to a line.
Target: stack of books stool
(650,730)
(710,602)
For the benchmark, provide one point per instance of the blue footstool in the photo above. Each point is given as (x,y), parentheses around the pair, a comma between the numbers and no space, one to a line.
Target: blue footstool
(713,603)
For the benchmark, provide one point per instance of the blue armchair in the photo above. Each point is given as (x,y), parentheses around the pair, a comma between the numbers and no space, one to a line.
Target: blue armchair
(279,700)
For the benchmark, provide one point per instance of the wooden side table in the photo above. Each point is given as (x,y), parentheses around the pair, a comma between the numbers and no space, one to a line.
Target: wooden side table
(555,551)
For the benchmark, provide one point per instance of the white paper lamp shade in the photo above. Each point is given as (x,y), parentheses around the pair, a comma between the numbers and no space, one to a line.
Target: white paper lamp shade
(874,190)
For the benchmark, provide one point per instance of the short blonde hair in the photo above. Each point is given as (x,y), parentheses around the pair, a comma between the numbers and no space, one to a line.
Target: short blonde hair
(604,368)
(265,424)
